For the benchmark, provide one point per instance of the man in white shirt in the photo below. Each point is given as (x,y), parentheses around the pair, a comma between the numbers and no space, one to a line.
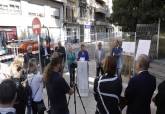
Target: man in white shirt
(99,56)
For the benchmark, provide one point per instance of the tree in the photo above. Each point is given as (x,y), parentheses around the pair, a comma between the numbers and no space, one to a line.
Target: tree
(128,13)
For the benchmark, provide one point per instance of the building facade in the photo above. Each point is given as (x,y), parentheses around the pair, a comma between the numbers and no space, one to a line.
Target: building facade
(90,20)
(17,15)
(66,20)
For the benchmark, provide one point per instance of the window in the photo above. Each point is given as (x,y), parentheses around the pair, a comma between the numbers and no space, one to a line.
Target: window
(82,12)
(13,7)
(69,14)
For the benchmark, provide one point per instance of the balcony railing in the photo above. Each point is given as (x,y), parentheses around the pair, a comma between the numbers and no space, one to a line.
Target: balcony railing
(102,2)
(100,8)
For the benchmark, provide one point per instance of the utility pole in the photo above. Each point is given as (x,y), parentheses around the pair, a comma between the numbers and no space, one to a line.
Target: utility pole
(158,38)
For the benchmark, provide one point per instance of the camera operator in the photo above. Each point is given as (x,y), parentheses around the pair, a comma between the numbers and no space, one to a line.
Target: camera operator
(57,87)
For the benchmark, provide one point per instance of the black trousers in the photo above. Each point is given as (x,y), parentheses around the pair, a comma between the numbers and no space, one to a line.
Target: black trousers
(98,70)
(34,108)
(20,108)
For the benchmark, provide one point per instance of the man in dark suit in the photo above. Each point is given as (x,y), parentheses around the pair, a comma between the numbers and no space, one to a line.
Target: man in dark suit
(99,56)
(61,50)
(45,53)
(140,88)
(28,56)
(160,99)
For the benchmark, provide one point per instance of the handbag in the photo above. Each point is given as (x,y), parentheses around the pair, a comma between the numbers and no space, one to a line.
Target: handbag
(41,107)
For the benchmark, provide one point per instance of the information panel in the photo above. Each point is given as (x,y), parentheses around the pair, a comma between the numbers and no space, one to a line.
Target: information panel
(143,47)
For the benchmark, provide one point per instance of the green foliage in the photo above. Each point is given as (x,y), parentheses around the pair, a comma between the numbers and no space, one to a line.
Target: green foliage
(128,13)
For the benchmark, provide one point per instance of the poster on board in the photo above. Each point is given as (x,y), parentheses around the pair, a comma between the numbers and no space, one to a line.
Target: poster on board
(87,28)
(143,47)
(128,48)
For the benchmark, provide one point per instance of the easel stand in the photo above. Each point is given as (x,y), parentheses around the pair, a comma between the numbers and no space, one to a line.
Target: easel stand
(128,65)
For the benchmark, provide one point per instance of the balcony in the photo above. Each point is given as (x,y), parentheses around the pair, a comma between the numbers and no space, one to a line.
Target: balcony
(62,1)
(100,8)
(99,16)
(71,14)
(83,3)
(102,2)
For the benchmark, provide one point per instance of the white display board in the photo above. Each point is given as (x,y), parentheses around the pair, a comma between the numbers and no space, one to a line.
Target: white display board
(128,47)
(4,68)
(82,78)
(143,47)
(4,71)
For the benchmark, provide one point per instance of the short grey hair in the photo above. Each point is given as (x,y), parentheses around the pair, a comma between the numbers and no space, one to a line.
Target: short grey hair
(29,48)
(143,61)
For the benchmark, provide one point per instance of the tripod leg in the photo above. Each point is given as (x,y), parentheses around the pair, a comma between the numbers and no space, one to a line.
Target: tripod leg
(68,100)
(75,107)
(80,99)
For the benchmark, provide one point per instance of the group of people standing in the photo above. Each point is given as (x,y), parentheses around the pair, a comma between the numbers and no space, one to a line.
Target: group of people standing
(100,55)
(25,74)
(139,92)
(107,85)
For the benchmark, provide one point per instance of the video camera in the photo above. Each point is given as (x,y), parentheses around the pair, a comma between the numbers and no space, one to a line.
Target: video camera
(73,66)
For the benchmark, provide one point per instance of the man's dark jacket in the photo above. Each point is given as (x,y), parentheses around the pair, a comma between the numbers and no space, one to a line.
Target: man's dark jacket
(139,93)
(44,59)
(160,99)
(62,52)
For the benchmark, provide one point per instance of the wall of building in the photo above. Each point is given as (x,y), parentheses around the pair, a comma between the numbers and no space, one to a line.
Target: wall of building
(50,14)
(55,17)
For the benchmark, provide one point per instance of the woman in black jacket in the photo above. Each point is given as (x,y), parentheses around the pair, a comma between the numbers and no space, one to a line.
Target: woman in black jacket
(107,89)
(160,99)
(57,87)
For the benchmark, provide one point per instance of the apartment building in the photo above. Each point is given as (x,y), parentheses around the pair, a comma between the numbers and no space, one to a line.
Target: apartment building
(87,20)
(65,20)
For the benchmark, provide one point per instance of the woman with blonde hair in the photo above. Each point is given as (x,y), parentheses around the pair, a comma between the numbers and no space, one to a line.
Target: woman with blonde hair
(35,81)
(16,67)
(56,86)
(108,88)
(18,76)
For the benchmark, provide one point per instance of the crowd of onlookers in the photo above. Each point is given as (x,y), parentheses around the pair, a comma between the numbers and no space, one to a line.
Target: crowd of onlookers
(22,90)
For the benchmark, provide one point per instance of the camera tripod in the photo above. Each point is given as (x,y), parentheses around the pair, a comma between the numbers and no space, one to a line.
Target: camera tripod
(75,88)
